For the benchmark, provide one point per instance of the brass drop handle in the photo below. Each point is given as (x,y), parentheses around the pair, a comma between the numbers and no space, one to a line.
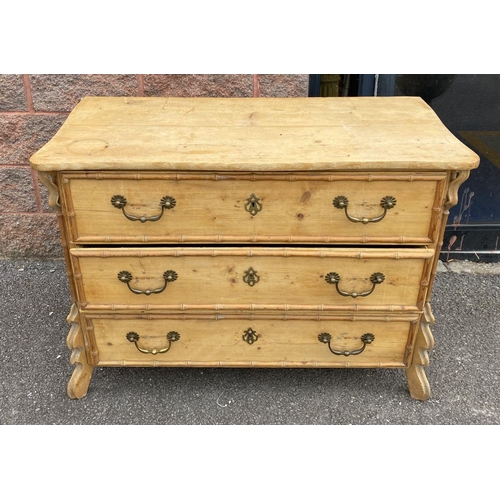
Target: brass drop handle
(387,202)
(126,277)
(366,338)
(171,337)
(120,202)
(334,279)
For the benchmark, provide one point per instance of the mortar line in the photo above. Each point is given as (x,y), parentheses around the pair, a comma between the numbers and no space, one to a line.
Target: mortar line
(256,89)
(43,214)
(36,186)
(140,83)
(29,96)
(50,113)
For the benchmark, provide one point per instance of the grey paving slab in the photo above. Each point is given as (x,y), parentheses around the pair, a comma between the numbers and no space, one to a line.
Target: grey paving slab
(34,369)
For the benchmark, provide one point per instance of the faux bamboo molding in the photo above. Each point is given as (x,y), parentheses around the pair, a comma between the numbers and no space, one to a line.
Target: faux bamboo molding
(246,307)
(92,351)
(68,209)
(437,209)
(384,318)
(366,253)
(255,177)
(247,364)
(254,238)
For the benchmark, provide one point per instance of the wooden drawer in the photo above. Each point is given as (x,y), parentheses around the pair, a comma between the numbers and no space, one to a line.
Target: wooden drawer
(250,340)
(252,278)
(302,208)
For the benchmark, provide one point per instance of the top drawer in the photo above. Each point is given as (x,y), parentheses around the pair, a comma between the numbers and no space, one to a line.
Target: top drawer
(260,208)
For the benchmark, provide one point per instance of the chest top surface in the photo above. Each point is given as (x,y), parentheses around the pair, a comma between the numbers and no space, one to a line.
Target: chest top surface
(254,134)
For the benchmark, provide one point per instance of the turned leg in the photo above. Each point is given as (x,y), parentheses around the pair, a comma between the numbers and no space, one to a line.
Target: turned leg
(415,374)
(79,382)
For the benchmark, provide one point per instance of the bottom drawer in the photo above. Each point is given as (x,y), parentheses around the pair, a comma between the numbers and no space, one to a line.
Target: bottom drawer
(250,340)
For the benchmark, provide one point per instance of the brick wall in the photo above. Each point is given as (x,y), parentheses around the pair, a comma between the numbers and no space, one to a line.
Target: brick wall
(33,107)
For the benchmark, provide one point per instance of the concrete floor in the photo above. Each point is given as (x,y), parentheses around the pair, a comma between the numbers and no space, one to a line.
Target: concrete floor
(34,368)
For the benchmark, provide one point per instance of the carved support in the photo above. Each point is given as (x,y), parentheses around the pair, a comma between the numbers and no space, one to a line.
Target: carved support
(79,382)
(46,178)
(415,373)
(80,379)
(50,181)
(455,182)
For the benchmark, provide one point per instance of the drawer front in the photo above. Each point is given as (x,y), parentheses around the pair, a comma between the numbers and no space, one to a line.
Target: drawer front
(239,340)
(274,208)
(252,278)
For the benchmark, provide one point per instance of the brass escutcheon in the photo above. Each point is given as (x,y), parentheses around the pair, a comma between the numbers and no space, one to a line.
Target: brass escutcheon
(120,202)
(251,277)
(250,336)
(387,202)
(366,338)
(253,204)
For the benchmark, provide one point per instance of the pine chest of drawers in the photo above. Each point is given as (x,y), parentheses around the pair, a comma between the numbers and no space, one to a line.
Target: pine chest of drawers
(252,232)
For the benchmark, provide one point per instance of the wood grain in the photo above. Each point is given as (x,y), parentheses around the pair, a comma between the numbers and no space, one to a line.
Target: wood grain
(299,134)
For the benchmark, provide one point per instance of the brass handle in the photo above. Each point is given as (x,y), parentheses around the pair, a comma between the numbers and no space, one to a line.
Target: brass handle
(334,279)
(366,338)
(387,202)
(126,277)
(120,202)
(253,204)
(171,337)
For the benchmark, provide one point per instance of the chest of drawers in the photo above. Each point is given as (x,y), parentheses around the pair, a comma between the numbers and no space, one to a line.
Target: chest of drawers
(252,232)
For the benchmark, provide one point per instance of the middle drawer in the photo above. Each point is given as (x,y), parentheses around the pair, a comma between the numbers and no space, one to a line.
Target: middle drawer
(252,278)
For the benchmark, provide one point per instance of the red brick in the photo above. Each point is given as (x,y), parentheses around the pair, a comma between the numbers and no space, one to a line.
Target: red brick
(22,135)
(17,193)
(284,85)
(30,236)
(63,92)
(198,85)
(12,93)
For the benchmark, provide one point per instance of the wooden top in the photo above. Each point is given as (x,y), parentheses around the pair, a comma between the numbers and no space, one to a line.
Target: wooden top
(253,134)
